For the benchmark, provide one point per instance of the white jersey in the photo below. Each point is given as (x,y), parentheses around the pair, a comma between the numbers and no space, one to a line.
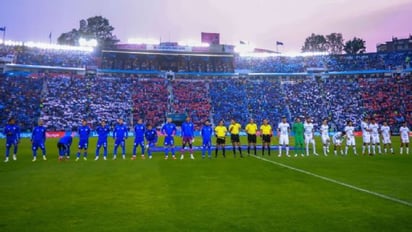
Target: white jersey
(284,133)
(365,128)
(365,132)
(308,128)
(404,131)
(386,131)
(386,134)
(374,129)
(349,130)
(324,130)
(284,128)
(337,138)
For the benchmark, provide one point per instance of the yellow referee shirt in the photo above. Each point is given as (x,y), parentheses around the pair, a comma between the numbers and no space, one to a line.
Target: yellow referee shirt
(266,129)
(220,131)
(251,128)
(234,129)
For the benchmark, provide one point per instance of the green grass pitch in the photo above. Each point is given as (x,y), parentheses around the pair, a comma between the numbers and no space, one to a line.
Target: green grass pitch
(229,194)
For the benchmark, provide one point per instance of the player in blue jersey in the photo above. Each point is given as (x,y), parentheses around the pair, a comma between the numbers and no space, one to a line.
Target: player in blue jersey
(38,139)
(188,131)
(151,137)
(102,131)
(120,135)
(12,132)
(63,145)
(169,131)
(84,133)
(207,133)
(139,130)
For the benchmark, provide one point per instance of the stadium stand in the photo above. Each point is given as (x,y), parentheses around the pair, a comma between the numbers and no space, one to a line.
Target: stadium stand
(19,98)
(192,98)
(229,100)
(369,61)
(150,100)
(61,58)
(388,98)
(63,99)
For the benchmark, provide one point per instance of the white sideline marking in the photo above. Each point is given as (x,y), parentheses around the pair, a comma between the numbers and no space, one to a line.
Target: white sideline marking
(338,182)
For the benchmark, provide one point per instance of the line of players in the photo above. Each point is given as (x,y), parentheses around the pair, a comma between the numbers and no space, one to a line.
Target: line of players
(303,133)
(371,132)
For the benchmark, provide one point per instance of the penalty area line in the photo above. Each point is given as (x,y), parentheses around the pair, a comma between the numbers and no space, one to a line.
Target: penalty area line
(337,182)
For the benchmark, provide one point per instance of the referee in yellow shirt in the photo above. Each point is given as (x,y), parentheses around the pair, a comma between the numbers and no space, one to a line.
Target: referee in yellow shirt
(251,129)
(266,134)
(234,129)
(220,132)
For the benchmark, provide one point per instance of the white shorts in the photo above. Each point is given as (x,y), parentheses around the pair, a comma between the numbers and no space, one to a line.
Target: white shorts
(284,140)
(405,139)
(386,140)
(366,138)
(325,139)
(350,141)
(337,142)
(309,138)
(375,139)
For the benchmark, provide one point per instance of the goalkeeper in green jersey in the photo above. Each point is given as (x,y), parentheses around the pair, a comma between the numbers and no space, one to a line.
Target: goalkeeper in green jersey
(297,130)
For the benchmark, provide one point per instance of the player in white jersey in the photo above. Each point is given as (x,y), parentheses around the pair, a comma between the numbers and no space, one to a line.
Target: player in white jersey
(309,137)
(366,135)
(324,131)
(386,138)
(337,140)
(375,140)
(283,132)
(404,131)
(350,137)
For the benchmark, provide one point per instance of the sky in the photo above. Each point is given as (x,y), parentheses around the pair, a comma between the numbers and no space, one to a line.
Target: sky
(259,22)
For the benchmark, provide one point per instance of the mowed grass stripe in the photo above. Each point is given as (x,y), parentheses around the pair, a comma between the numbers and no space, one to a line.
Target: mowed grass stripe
(337,182)
(190,195)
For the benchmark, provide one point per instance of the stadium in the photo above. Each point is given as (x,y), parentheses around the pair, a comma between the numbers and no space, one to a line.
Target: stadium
(63,85)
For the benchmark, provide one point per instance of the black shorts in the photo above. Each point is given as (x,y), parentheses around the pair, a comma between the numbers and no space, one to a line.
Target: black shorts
(62,147)
(266,138)
(234,138)
(220,141)
(251,138)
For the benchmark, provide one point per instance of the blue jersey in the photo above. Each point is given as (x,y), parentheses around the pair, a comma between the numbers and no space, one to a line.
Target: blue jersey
(66,140)
(169,129)
(84,133)
(207,132)
(12,132)
(139,130)
(39,135)
(120,132)
(102,133)
(188,129)
(151,135)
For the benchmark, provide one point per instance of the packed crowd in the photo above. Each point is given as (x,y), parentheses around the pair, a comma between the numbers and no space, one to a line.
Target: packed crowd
(111,98)
(266,99)
(208,64)
(62,100)
(19,98)
(150,100)
(66,101)
(48,57)
(192,98)
(62,58)
(229,100)
(282,64)
(387,98)
(336,99)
